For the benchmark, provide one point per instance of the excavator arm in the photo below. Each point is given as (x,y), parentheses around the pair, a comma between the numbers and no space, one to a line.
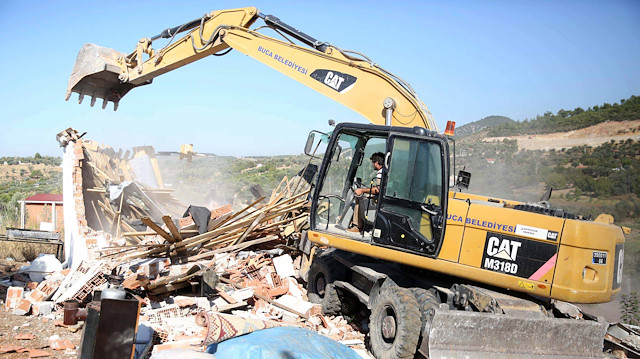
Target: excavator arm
(347,77)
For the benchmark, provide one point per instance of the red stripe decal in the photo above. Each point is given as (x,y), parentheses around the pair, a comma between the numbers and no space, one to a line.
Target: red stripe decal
(545,268)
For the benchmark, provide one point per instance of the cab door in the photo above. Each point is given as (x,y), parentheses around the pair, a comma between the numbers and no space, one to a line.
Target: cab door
(413,201)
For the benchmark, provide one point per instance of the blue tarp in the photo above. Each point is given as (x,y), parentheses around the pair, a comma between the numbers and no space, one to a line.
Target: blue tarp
(282,342)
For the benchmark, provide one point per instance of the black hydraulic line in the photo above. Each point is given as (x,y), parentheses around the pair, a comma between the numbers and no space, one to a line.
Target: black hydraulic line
(169,32)
(274,22)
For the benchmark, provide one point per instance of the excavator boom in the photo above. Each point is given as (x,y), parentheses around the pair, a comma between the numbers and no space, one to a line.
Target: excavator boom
(344,76)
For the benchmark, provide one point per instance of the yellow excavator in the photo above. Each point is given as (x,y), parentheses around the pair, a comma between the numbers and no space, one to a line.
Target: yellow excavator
(443,272)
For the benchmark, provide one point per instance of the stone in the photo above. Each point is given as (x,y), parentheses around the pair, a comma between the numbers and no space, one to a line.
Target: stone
(42,308)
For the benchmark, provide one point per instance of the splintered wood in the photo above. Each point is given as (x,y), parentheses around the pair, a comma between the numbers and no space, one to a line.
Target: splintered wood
(117,194)
(266,218)
(123,196)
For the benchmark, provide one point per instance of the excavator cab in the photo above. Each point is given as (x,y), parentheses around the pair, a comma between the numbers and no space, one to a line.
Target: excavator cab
(409,208)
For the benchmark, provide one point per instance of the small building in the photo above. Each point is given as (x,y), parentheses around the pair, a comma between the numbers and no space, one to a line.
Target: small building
(42,211)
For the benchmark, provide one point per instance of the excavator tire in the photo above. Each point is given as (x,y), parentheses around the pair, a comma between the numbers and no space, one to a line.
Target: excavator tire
(324,270)
(394,325)
(331,303)
(426,301)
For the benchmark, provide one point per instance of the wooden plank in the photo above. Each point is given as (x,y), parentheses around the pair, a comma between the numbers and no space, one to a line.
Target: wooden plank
(172,228)
(119,214)
(157,229)
(250,228)
(152,233)
(95,210)
(232,248)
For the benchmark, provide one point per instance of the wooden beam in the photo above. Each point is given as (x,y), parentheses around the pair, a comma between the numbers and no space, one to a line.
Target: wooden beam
(157,229)
(172,228)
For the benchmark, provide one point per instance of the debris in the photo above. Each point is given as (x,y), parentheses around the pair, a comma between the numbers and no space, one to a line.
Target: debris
(24,336)
(37,353)
(44,265)
(42,308)
(61,344)
(14,295)
(10,348)
(284,266)
(175,263)
(221,327)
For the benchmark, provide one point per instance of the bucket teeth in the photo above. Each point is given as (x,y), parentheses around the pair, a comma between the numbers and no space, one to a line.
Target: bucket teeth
(96,73)
(81,97)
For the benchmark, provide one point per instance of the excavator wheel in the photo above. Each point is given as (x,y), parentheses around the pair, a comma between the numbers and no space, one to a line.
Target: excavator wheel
(394,324)
(324,270)
(426,301)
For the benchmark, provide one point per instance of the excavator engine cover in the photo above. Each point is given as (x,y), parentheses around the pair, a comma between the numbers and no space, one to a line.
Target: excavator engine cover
(96,74)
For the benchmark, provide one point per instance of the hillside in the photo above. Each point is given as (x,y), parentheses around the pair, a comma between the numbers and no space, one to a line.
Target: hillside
(226,179)
(21,177)
(477,126)
(563,121)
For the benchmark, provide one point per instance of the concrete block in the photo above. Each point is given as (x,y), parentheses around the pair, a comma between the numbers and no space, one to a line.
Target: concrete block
(23,307)
(284,266)
(42,308)
(294,303)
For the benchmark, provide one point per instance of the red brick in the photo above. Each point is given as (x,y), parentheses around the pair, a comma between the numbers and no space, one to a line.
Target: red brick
(185,301)
(37,353)
(315,310)
(14,294)
(24,336)
(61,344)
(186,221)
(24,304)
(10,348)
(32,285)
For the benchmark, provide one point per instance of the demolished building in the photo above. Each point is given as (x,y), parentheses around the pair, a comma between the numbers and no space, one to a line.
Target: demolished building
(158,274)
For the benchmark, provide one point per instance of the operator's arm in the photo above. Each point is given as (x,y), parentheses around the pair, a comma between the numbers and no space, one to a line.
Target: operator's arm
(372,190)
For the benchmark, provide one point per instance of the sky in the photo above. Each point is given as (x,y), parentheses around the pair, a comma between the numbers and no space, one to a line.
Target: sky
(465,59)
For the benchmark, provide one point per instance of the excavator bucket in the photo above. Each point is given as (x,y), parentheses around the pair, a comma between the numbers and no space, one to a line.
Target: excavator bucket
(96,74)
(461,334)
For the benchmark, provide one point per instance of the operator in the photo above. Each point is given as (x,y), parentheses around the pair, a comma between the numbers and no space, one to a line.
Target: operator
(377,160)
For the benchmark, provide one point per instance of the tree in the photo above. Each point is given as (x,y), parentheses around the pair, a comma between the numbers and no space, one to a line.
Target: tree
(36,174)
(37,156)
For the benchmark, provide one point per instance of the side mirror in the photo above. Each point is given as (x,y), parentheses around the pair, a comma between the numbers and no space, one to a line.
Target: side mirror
(464,178)
(310,140)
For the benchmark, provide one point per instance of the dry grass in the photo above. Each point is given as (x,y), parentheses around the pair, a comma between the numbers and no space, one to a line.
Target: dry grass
(24,251)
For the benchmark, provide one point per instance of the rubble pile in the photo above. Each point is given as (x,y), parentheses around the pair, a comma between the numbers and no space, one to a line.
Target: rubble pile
(162,275)
(246,290)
